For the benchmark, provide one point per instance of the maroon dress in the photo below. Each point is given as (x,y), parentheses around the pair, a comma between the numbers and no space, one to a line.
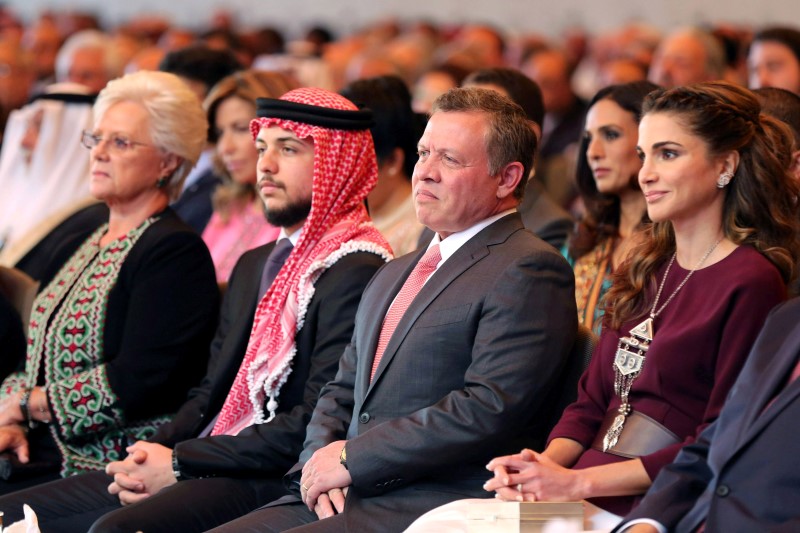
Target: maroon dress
(701,340)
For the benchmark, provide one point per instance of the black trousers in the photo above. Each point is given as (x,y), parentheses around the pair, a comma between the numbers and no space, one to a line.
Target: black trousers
(82,503)
(292,518)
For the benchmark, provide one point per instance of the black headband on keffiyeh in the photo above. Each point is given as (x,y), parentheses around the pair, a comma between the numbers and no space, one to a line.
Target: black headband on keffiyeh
(338,119)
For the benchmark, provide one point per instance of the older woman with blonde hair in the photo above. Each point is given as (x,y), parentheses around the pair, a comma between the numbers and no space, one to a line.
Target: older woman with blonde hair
(121,329)
(238,223)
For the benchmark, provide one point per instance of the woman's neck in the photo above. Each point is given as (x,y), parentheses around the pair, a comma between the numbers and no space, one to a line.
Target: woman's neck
(388,196)
(632,208)
(693,243)
(125,217)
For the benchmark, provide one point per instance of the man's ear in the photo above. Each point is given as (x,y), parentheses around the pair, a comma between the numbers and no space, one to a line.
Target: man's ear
(509,177)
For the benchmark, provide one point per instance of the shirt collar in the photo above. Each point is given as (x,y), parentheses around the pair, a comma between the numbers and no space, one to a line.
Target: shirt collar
(204,162)
(454,241)
(293,238)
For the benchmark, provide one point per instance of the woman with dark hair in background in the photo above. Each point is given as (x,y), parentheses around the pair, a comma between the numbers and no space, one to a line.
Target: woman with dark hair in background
(606,174)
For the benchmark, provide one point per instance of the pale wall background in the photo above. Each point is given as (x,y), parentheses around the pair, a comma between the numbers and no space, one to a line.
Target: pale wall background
(513,16)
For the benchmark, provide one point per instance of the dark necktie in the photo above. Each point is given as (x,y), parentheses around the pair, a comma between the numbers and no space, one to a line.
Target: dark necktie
(277,257)
(425,267)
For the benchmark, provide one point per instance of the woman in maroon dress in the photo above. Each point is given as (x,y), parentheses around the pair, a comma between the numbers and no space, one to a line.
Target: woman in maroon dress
(684,311)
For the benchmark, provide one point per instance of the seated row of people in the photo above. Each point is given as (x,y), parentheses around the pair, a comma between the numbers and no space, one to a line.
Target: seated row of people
(497,357)
(320,165)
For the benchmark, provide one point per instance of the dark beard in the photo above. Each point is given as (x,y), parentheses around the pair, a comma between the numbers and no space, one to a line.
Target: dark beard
(290,215)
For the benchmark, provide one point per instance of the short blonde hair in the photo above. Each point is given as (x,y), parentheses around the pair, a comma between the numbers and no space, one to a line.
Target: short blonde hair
(177,122)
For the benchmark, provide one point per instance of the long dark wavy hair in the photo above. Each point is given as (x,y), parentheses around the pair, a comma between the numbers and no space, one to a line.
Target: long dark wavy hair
(760,207)
(601,221)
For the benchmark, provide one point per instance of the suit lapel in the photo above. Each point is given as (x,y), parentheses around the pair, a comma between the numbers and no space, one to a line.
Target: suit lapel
(255,281)
(470,253)
(378,314)
(774,371)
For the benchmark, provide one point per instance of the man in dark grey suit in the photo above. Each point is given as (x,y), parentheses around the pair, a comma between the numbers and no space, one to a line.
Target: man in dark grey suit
(466,372)
(742,473)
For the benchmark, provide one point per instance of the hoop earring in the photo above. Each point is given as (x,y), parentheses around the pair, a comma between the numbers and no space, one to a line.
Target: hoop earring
(724,179)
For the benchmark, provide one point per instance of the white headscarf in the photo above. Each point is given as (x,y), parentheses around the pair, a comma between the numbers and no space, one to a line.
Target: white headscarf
(57,175)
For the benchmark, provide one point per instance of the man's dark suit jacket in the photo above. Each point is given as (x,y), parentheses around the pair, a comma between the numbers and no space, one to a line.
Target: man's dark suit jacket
(464,377)
(194,206)
(227,351)
(743,472)
(543,216)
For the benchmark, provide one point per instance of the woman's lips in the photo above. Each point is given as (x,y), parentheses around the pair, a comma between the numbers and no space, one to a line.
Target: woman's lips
(654,196)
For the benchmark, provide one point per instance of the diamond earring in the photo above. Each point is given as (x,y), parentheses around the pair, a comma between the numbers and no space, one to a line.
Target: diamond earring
(724,179)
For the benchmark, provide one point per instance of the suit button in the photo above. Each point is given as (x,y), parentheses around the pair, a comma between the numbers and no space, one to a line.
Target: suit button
(364,418)
(723,491)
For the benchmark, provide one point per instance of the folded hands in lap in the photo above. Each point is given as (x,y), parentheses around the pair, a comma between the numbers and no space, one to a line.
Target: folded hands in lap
(531,476)
(146,470)
(325,480)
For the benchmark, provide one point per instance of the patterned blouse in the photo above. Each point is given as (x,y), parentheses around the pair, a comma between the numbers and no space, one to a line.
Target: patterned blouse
(592,281)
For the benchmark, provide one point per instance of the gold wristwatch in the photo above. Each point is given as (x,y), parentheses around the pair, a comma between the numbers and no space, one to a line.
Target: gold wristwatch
(343,457)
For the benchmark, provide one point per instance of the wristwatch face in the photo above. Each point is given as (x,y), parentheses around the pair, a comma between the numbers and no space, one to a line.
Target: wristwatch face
(176,470)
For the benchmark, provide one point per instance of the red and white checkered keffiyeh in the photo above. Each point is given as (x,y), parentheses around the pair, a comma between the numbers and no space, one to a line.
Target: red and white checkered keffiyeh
(345,171)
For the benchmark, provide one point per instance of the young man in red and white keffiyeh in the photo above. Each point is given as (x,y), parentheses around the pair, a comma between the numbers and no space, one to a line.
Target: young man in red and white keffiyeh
(316,166)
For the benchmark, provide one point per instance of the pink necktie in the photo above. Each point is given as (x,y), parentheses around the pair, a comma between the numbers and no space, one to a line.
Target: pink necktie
(409,290)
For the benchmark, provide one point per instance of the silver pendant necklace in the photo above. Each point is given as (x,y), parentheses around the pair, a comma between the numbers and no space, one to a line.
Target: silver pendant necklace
(632,350)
